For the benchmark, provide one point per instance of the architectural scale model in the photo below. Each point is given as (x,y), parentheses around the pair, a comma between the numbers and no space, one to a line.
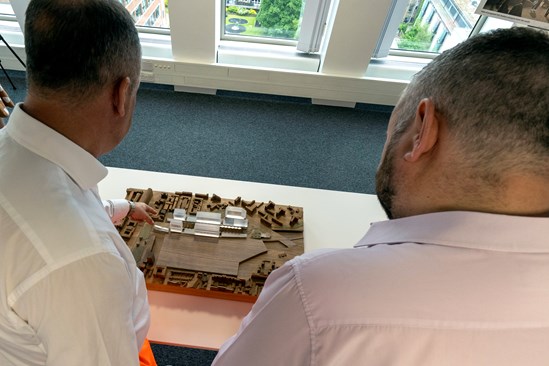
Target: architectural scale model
(205,245)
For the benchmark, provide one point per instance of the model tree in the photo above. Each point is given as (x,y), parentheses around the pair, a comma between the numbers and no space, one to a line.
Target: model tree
(280,18)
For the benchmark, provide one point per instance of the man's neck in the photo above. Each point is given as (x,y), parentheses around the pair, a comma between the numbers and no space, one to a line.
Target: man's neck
(75,123)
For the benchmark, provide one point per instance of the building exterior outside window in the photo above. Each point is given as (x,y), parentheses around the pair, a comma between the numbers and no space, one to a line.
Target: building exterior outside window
(148,13)
(435,25)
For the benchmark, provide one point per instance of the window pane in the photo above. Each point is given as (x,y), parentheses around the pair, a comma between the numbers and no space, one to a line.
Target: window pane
(5,7)
(276,19)
(148,13)
(435,25)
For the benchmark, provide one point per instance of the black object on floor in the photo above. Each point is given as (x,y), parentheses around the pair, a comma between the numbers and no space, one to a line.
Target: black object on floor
(167,355)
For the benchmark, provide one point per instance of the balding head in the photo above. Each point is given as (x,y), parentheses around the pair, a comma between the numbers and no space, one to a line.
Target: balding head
(76,47)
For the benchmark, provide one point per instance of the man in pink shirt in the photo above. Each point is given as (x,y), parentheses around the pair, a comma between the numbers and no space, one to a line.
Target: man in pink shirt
(459,275)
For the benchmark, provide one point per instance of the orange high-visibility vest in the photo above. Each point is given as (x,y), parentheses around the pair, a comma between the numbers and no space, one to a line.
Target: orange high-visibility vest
(146,356)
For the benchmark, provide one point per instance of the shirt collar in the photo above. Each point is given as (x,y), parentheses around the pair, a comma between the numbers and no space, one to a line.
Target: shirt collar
(474,230)
(80,165)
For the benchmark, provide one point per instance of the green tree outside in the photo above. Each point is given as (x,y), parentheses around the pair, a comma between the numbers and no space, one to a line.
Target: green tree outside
(280,18)
(416,37)
(412,34)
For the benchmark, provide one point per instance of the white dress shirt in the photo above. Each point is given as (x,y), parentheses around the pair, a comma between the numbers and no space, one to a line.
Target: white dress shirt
(117,209)
(444,289)
(70,292)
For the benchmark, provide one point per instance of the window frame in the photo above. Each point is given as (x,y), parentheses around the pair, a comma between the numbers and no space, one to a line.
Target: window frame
(313,23)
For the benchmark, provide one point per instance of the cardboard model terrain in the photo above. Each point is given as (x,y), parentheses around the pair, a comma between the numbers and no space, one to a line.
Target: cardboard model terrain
(204,250)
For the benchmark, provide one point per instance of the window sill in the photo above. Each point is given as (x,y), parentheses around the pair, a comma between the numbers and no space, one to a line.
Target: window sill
(266,56)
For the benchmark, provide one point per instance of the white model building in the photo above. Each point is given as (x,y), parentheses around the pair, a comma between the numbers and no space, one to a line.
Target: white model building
(233,223)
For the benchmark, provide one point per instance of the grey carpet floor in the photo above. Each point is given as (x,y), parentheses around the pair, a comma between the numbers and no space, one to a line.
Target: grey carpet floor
(237,136)
(250,137)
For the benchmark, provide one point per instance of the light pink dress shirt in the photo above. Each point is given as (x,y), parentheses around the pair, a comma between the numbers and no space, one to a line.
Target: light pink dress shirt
(445,289)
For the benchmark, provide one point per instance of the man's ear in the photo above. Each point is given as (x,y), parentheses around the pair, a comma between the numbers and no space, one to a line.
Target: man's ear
(426,130)
(121,93)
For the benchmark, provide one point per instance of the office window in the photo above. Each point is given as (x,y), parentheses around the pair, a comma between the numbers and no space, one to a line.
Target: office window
(148,13)
(9,25)
(5,7)
(435,25)
(273,20)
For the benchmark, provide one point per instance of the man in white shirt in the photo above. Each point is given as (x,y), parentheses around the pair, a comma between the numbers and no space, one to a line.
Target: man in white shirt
(70,292)
(460,274)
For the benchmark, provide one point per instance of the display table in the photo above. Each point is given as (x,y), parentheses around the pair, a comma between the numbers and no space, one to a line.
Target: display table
(332,220)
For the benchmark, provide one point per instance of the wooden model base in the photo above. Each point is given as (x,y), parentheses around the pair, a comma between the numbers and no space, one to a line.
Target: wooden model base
(233,266)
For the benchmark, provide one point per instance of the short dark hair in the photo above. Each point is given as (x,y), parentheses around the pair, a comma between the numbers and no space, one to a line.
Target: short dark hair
(77,47)
(493,91)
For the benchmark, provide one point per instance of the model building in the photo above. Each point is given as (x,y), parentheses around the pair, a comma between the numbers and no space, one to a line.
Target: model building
(205,245)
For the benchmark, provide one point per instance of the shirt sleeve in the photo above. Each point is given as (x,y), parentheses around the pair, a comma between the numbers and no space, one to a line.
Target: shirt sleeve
(276,331)
(82,313)
(117,209)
